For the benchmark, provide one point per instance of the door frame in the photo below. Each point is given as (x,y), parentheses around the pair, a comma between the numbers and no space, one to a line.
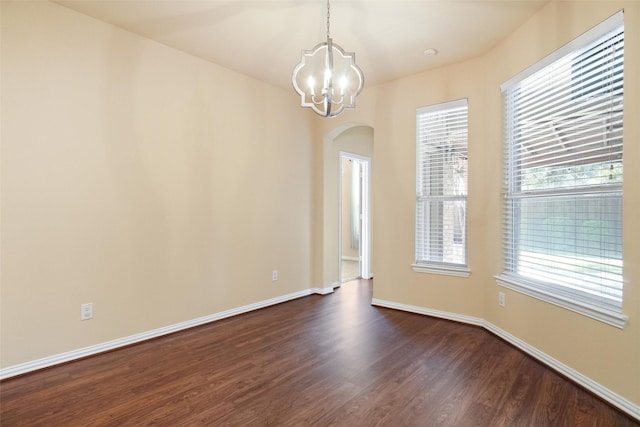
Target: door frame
(365,228)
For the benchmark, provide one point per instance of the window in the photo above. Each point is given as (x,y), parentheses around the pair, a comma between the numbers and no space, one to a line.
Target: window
(441,199)
(563,176)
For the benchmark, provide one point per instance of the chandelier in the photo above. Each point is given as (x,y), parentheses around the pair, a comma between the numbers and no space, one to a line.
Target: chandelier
(327,78)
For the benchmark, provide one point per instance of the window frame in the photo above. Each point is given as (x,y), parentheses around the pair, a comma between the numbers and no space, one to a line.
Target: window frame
(427,265)
(557,294)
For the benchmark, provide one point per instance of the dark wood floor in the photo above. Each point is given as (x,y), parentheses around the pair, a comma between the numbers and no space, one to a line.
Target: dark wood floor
(317,361)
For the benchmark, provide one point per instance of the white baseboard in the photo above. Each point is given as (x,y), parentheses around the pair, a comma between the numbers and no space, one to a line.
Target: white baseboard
(27,367)
(429,312)
(615,399)
(323,291)
(623,404)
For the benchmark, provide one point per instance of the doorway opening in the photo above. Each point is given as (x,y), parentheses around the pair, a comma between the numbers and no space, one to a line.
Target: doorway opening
(355,223)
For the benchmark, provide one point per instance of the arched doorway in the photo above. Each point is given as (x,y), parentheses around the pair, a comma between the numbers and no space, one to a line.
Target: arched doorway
(355,140)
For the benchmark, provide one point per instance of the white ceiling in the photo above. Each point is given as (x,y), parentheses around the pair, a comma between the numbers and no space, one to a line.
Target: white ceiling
(264,38)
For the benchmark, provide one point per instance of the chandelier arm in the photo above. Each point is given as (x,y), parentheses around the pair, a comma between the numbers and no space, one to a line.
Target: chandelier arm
(317,102)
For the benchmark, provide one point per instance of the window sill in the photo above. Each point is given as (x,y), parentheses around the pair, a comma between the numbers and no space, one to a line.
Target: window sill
(610,317)
(447,270)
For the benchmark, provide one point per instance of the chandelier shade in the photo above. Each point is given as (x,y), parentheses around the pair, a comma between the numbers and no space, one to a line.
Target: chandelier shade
(327,78)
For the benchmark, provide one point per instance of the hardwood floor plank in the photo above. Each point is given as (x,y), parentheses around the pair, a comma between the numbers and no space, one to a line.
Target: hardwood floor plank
(316,361)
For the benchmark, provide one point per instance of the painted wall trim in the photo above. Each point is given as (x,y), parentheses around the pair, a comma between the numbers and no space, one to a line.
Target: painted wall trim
(448,270)
(323,291)
(46,362)
(601,314)
(623,404)
(429,312)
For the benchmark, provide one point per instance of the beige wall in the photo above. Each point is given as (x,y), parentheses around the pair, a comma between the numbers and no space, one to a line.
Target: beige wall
(151,183)
(603,353)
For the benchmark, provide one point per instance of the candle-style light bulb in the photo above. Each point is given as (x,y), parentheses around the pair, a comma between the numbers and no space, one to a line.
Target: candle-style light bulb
(343,84)
(312,84)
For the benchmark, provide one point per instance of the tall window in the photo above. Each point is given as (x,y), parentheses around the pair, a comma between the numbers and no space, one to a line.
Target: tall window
(441,199)
(563,176)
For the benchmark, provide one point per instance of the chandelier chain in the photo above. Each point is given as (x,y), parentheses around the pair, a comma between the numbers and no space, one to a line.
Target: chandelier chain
(328,19)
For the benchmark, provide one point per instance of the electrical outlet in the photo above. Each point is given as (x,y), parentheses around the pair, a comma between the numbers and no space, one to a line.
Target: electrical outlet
(86,311)
(501,299)
(274,275)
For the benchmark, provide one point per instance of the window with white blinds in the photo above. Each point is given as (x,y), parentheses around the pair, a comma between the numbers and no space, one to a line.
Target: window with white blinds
(563,177)
(441,181)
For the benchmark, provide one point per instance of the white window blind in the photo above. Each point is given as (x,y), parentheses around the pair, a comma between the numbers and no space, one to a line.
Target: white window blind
(441,199)
(563,177)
